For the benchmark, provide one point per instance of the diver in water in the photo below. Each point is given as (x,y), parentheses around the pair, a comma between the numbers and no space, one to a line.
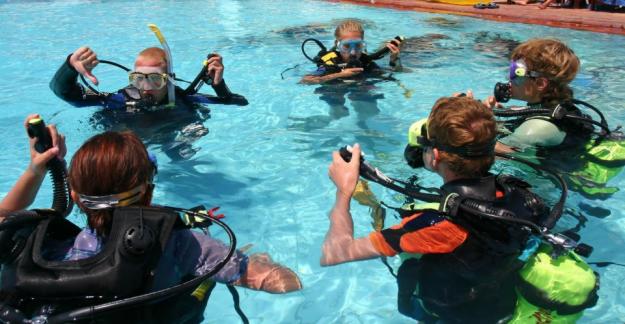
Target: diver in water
(25,189)
(348,58)
(346,70)
(130,247)
(152,82)
(461,254)
(151,93)
(554,122)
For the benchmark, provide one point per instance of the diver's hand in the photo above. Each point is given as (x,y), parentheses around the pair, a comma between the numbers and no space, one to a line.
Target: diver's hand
(492,103)
(395,47)
(215,68)
(266,275)
(345,174)
(350,72)
(84,60)
(505,149)
(38,160)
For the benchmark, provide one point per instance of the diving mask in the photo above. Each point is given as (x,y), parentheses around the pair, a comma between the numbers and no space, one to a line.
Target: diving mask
(349,46)
(519,71)
(414,150)
(125,198)
(418,141)
(148,81)
(517,74)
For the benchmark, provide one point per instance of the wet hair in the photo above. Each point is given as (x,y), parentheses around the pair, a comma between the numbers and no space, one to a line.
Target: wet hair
(106,164)
(349,25)
(555,61)
(459,121)
(155,54)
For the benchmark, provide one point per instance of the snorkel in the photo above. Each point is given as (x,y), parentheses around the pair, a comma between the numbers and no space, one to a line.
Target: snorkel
(171,93)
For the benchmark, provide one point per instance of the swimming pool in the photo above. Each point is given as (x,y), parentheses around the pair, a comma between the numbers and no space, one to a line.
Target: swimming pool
(266,164)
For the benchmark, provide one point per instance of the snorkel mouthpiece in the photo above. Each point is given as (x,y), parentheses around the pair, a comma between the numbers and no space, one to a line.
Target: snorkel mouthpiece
(503,91)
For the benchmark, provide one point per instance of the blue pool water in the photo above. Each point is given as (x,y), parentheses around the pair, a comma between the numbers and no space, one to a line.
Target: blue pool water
(266,164)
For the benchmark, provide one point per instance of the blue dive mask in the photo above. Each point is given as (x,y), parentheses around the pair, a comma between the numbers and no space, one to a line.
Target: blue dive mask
(350,46)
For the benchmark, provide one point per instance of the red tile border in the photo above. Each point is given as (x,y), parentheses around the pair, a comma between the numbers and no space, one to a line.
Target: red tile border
(581,19)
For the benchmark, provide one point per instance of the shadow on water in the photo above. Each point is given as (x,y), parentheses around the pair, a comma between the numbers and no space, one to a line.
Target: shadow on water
(317,29)
(444,22)
(494,44)
(184,178)
(174,130)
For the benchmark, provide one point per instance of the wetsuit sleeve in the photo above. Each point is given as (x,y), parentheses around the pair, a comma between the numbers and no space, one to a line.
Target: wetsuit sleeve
(65,85)
(422,233)
(224,96)
(536,132)
(196,254)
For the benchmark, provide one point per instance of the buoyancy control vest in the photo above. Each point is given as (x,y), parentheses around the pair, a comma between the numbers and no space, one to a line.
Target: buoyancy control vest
(566,116)
(475,282)
(333,63)
(125,267)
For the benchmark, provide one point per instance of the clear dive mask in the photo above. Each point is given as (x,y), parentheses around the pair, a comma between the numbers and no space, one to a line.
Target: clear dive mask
(148,81)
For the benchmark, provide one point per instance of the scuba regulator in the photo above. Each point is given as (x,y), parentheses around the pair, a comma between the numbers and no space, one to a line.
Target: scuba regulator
(61,202)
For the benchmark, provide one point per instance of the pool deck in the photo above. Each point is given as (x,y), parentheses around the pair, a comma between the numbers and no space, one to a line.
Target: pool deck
(582,19)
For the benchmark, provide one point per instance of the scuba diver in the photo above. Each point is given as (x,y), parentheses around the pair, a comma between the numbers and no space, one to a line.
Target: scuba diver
(152,82)
(469,256)
(151,94)
(348,57)
(134,262)
(554,123)
(346,70)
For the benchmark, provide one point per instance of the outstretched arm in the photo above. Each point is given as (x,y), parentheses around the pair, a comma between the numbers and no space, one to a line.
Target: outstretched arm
(339,245)
(25,189)
(317,79)
(65,84)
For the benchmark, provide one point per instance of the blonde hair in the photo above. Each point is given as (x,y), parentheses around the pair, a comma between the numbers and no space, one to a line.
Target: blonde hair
(153,53)
(460,121)
(553,60)
(349,25)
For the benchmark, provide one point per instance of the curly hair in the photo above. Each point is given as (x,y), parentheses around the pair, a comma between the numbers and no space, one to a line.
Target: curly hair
(459,121)
(555,61)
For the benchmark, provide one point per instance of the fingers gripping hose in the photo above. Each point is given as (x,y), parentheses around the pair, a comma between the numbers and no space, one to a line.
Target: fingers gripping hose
(61,202)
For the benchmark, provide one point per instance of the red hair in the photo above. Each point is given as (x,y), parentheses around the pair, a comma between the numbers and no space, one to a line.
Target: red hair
(106,164)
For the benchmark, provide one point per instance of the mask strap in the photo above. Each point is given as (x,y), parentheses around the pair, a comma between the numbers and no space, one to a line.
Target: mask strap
(115,200)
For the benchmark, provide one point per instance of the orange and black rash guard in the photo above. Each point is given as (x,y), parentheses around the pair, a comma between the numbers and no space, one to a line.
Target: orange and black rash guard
(427,232)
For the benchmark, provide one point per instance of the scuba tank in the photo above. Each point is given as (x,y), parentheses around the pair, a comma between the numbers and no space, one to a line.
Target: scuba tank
(554,287)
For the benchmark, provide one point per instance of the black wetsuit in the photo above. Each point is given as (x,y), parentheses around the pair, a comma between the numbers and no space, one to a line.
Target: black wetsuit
(65,85)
